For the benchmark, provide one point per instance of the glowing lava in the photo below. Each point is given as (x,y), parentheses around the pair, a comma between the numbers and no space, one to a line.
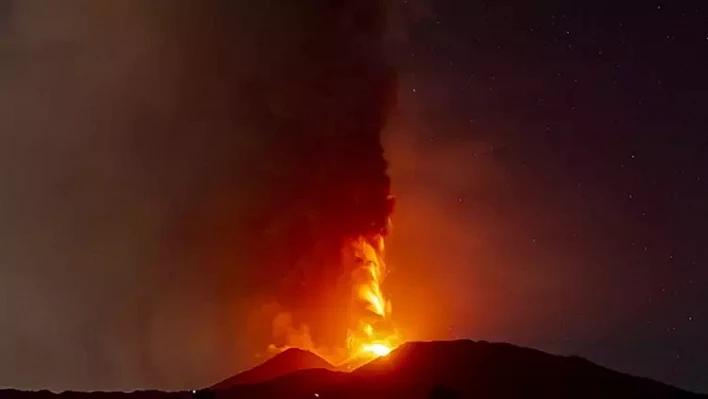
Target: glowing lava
(373,334)
(377,349)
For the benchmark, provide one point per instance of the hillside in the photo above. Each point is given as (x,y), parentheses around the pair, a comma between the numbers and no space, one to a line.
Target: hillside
(465,369)
(438,369)
(286,362)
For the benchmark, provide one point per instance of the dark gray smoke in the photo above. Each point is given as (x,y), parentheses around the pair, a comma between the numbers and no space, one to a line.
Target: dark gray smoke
(166,167)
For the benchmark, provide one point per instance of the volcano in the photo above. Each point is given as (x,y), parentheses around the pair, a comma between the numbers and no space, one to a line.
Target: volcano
(424,370)
(462,369)
(483,369)
(283,363)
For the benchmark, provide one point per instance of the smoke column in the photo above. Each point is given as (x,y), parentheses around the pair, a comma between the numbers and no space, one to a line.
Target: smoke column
(326,108)
(173,174)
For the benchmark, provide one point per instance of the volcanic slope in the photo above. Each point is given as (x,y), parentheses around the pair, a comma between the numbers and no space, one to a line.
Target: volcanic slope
(286,362)
(464,369)
(418,370)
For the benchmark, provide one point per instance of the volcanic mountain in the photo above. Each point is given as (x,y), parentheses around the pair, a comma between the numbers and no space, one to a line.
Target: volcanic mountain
(483,369)
(462,369)
(286,362)
(435,370)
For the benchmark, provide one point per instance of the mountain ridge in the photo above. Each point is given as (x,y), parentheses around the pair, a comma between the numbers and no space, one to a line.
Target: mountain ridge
(286,362)
(471,369)
(418,370)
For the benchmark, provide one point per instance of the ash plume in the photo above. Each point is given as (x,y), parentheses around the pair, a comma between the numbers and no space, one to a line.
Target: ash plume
(169,166)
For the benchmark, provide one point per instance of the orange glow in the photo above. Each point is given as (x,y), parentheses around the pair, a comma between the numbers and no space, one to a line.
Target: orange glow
(378,349)
(373,335)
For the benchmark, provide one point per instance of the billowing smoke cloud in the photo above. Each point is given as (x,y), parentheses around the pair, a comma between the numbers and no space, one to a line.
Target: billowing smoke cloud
(168,166)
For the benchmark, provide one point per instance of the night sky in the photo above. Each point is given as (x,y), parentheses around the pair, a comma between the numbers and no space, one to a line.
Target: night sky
(549,160)
(576,135)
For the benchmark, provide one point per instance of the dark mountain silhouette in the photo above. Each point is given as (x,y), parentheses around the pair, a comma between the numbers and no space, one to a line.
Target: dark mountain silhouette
(464,369)
(286,362)
(434,370)
(483,369)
